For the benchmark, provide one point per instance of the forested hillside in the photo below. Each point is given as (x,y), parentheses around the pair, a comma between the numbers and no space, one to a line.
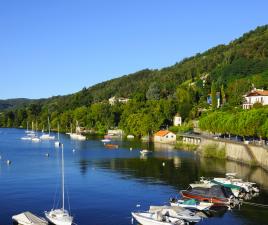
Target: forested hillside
(156,95)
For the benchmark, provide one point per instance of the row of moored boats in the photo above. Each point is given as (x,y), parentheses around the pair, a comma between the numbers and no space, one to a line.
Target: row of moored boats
(200,200)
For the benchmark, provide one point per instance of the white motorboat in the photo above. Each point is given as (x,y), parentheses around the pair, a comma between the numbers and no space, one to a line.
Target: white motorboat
(176,212)
(60,216)
(106,140)
(191,204)
(130,136)
(146,218)
(27,218)
(145,152)
(26,138)
(237,185)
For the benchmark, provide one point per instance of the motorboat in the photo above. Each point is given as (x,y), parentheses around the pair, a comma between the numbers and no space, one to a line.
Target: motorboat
(111,146)
(212,193)
(191,204)
(27,218)
(106,140)
(147,218)
(26,138)
(145,152)
(170,214)
(234,183)
(60,216)
(130,136)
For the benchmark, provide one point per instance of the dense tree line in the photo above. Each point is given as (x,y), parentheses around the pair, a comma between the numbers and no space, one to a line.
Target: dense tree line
(253,123)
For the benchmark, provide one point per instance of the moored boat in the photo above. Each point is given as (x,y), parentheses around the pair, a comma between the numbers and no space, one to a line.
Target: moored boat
(146,218)
(111,146)
(191,204)
(145,152)
(216,194)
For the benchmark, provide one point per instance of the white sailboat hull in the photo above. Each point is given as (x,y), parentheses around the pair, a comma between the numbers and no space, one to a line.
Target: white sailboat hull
(59,217)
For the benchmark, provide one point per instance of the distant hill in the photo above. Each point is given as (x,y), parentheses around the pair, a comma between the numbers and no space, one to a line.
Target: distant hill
(245,57)
(14,103)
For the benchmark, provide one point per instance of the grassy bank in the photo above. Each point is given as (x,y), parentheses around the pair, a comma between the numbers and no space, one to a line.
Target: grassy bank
(213,151)
(184,146)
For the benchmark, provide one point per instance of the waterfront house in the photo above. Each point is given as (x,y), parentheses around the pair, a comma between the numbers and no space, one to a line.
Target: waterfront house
(255,96)
(114,100)
(165,136)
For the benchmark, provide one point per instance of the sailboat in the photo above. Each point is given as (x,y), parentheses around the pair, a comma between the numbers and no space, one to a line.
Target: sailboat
(77,135)
(47,136)
(57,143)
(35,137)
(60,216)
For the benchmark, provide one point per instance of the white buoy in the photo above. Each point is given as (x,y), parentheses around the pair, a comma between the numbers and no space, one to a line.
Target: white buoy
(73,150)
(8,162)
(130,149)
(163,164)
(138,205)
(47,155)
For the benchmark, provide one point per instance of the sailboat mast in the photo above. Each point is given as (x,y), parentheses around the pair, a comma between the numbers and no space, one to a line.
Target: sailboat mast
(48,125)
(58,132)
(62,175)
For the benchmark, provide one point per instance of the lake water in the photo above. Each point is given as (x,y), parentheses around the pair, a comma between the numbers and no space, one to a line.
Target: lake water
(104,185)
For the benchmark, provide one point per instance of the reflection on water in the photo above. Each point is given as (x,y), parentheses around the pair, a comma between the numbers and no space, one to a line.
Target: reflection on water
(106,185)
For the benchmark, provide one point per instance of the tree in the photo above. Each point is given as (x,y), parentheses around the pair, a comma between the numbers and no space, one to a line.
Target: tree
(223,97)
(213,96)
(153,92)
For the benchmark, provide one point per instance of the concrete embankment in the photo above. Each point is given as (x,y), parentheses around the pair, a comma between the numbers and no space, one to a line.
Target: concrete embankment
(236,151)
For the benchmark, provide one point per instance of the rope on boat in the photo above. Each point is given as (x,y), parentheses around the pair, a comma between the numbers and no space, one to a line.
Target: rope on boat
(255,204)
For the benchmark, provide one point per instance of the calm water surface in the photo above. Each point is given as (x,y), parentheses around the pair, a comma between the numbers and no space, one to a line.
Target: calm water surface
(103,185)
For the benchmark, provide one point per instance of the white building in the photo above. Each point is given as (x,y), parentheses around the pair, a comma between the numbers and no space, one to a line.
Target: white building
(114,100)
(165,136)
(177,121)
(255,96)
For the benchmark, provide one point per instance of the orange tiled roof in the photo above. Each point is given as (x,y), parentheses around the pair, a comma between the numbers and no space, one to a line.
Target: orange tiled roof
(162,133)
(258,93)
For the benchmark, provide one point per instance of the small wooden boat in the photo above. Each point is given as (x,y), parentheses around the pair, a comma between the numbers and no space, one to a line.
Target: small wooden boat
(27,218)
(111,146)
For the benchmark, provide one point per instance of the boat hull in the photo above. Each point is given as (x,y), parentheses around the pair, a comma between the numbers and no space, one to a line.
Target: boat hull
(144,219)
(203,198)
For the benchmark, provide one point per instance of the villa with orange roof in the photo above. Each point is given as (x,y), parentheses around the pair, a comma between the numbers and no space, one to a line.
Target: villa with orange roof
(255,96)
(165,136)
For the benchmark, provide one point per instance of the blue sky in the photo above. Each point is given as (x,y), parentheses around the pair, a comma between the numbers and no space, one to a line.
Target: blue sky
(57,47)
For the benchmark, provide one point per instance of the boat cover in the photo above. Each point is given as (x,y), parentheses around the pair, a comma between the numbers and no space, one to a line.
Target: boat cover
(190,202)
(29,218)
(214,191)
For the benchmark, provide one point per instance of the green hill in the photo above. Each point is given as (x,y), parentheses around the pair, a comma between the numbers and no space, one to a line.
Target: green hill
(184,86)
